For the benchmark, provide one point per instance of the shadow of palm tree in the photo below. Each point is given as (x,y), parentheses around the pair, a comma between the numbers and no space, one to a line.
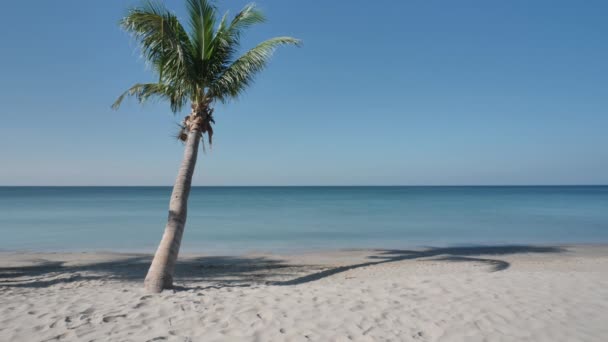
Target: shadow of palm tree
(218,271)
(455,254)
(225,271)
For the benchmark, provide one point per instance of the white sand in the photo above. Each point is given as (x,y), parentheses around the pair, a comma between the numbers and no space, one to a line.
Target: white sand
(494,294)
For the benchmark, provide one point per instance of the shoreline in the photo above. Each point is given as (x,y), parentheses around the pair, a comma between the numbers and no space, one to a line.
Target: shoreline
(288,251)
(517,292)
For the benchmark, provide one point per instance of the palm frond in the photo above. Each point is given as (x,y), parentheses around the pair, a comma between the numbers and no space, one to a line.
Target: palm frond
(144,91)
(226,40)
(199,64)
(202,23)
(162,38)
(247,17)
(241,73)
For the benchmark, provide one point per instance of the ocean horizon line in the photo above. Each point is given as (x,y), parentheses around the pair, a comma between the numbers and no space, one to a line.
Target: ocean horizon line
(312,186)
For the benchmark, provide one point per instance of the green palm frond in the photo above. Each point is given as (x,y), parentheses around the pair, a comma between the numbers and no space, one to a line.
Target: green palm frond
(202,23)
(226,40)
(144,91)
(163,40)
(247,17)
(241,73)
(198,64)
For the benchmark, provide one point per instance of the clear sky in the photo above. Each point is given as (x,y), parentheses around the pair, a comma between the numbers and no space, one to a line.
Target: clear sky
(382,92)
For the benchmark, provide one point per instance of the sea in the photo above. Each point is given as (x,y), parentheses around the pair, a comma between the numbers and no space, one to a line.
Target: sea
(239,220)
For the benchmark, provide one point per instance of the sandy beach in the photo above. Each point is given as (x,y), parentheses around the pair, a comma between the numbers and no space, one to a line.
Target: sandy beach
(508,293)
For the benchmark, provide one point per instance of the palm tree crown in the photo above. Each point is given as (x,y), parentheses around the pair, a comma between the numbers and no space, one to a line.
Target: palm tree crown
(198,64)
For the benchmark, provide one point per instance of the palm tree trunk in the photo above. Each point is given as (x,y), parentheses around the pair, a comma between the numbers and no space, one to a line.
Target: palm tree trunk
(160,274)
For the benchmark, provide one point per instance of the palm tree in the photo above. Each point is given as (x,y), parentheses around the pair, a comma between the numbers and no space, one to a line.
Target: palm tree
(198,65)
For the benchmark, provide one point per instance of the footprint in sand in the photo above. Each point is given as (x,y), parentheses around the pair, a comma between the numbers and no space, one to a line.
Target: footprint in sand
(71,322)
(418,335)
(56,338)
(143,303)
(86,314)
(138,305)
(109,319)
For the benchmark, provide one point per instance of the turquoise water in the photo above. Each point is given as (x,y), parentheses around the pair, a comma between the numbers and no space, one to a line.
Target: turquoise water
(281,219)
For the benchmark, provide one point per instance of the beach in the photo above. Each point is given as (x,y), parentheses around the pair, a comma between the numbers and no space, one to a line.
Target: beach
(499,293)
(208,170)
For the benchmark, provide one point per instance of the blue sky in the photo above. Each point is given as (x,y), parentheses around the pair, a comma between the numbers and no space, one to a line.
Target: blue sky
(382,92)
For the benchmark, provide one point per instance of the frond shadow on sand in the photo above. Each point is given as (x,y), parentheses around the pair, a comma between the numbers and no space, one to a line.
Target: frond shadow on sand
(204,272)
